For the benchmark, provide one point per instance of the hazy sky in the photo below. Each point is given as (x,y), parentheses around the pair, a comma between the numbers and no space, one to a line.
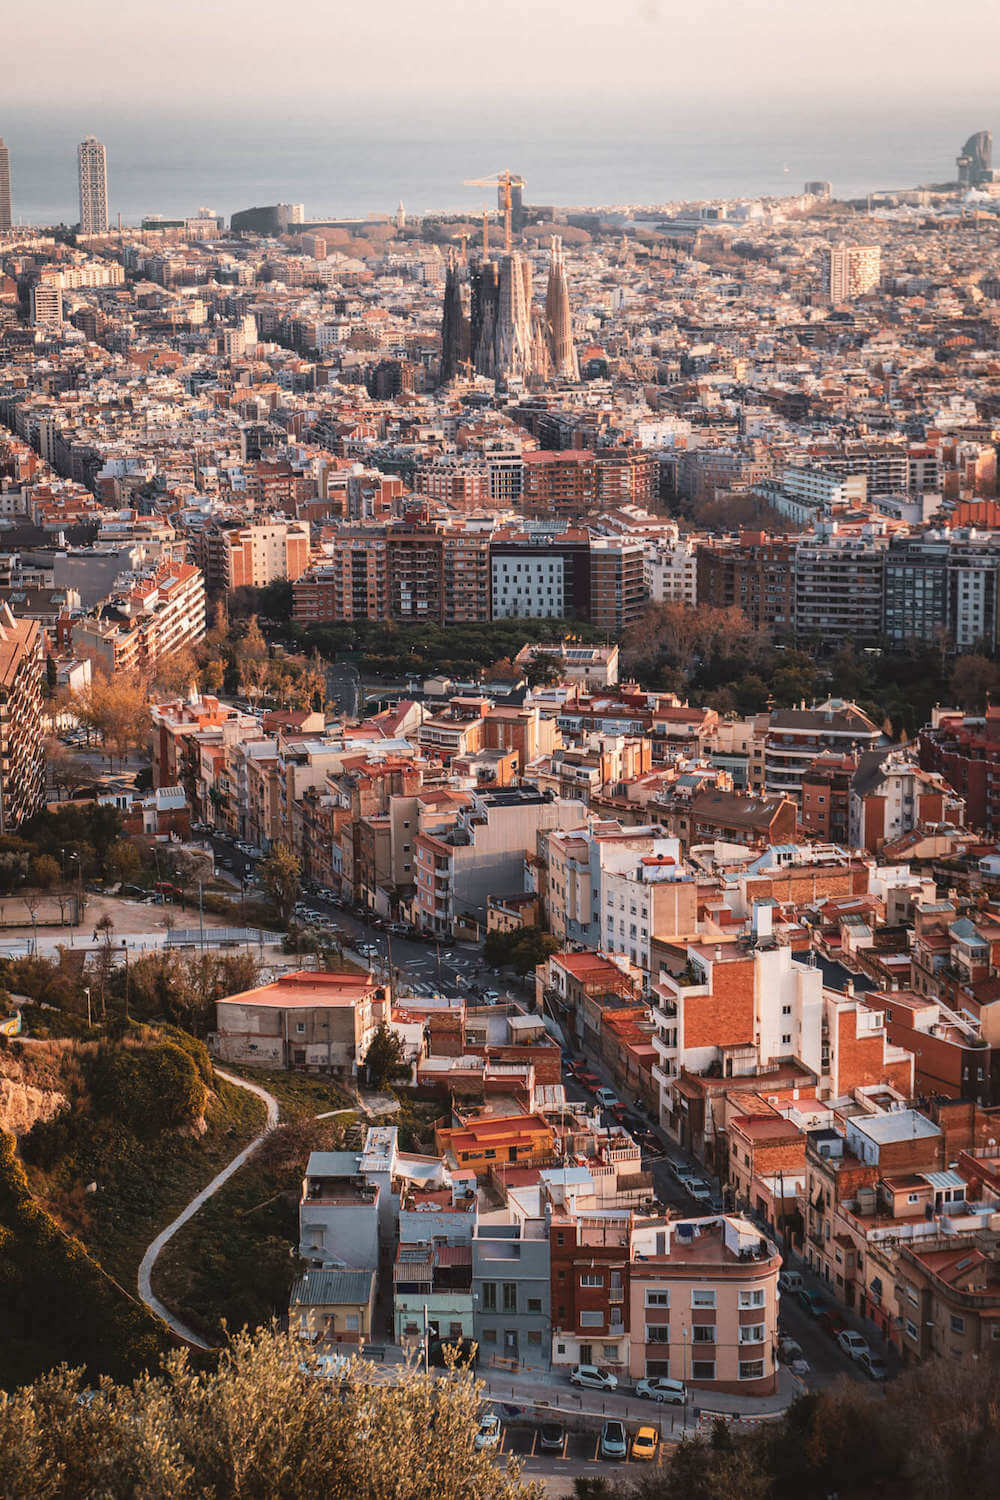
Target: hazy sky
(313,55)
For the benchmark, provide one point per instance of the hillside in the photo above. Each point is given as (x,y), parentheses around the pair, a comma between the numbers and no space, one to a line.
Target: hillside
(114,1138)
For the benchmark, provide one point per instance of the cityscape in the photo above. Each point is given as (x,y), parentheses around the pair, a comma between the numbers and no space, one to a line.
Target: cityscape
(500,844)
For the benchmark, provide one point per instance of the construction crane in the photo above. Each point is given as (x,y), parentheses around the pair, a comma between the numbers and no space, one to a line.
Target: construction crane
(505,180)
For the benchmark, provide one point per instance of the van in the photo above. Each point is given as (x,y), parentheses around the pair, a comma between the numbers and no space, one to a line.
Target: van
(790,1282)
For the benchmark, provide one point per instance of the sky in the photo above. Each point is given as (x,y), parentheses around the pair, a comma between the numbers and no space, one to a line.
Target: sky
(323,56)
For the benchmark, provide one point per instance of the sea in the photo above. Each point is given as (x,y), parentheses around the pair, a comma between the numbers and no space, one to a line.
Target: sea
(365,158)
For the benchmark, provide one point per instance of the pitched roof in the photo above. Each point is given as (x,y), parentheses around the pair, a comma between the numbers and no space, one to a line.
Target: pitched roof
(332,1288)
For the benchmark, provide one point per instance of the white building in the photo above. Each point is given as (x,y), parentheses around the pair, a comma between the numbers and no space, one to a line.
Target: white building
(671,572)
(853,271)
(527,587)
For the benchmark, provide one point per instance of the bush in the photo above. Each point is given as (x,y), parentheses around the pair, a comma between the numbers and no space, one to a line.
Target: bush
(148,1088)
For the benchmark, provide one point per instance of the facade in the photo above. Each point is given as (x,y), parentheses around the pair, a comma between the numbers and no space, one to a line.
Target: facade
(307,1019)
(838,589)
(796,736)
(92,164)
(853,271)
(511,1291)
(22,759)
(703,1305)
(6,211)
(330,1308)
(46,306)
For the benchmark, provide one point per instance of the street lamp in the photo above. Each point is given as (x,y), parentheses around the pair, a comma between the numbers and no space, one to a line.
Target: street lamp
(86,991)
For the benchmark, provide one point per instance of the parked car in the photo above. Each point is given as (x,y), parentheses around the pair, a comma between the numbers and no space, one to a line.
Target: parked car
(614,1439)
(645,1444)
(551,1437)
(789,1349)
(606,1097)
(589,1081)
(682,1173)
(791,1282)
(853,1344)
(699,1191)
(659,1388)
(812,1302)
(488,1435)
(593,1378)
(832,1323)
(873,1366)
(491,996)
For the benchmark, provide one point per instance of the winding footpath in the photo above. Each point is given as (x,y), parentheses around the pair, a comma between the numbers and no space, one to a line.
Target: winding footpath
(149,1259)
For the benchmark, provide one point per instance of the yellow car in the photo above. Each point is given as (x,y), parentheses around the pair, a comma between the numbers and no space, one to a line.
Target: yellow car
(645,1442)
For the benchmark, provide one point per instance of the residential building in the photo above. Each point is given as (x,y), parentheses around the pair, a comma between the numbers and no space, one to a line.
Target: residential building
(511,1286)
(333,1308)
(22,755)
(306,1019)
(852,271)
(703,1304)
(796,736)
(92,163)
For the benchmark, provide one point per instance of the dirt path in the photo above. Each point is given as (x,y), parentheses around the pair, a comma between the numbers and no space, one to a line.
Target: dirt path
(149,1259)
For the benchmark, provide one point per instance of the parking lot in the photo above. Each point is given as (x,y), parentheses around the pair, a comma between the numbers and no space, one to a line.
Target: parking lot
(523,1439)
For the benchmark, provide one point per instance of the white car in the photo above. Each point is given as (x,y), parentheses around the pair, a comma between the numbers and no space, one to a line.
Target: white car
(593,1378)
(488,1435)
(659,1388)
(852,1343)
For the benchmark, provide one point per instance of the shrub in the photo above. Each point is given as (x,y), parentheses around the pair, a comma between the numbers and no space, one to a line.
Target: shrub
(148,1088)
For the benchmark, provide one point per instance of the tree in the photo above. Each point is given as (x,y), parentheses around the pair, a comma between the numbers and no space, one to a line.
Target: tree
(973,679)
(51,675)
(176,673)
(251,660)
(124,862)
(117,709)
(279,876)
(384,1059)
(258,1424)
(44,871)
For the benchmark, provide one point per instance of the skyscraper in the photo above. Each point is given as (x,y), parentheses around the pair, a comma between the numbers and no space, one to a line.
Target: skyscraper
(558,319)
(5,210)
(93,162)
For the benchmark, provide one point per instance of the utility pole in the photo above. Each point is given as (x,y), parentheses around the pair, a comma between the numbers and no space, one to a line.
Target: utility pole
(201,915)
(125,951)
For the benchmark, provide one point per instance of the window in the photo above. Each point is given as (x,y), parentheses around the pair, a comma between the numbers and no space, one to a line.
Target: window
(703,1333)
(912,1331)
(751,1369)
(489,1335)
(510,1296)
(534,1336)
(592,1319)
(657,1299)
(657,1333)
(300,1026)
(754,1298)
(702,1298)
(534,1304)
(703,1369)
(351,1322)
(752,1333)
(454,1330)
(489,1296)
(610,1351)
(590,1280)
(786,1010)
(957,1324)
(913,1197)
(786,1039)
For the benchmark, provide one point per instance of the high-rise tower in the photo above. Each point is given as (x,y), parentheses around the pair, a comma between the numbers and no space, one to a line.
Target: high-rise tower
(93,164)
(6,219)
(558,319)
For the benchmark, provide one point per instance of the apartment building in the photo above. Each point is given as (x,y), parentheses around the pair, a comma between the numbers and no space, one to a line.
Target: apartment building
(703,1304)
(148,618)
(796,736)
(890,796)
(839,583)
(482,854)
(253,556)
(965,751)
(755,574)
(22,759)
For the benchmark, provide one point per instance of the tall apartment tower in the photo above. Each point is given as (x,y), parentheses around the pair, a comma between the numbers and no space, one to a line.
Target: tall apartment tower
(558,319)
(854,270)
(93,163)
(46,306)
(6,220)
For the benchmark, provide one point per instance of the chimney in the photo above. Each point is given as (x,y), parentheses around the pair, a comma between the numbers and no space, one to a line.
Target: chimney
(718,952)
